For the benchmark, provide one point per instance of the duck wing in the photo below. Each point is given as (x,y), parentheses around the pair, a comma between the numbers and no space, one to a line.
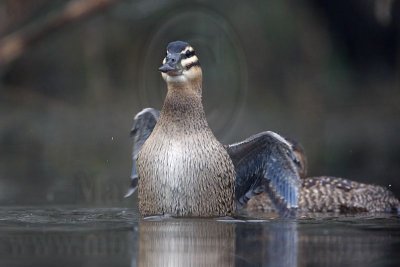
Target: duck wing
(265,162)
(143,125)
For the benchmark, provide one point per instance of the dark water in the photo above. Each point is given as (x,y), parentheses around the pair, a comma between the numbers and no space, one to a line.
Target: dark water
(117,237)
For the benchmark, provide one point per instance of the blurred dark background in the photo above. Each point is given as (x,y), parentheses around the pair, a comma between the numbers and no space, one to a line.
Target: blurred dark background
(74,73)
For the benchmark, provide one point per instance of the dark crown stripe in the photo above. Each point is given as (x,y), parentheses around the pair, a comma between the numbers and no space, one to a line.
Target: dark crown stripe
(177,46)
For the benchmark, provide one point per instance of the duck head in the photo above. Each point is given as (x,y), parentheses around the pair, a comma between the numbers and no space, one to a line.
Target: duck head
(181,64)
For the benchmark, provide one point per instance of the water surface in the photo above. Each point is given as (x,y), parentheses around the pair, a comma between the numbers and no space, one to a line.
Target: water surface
(118,237)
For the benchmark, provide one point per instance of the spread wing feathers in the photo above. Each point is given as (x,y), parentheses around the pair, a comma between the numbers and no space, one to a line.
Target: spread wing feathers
(266,162)
(143,124)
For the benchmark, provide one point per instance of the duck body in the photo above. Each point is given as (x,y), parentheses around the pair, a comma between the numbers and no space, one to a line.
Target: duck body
(183,169)
(181,161)
(334,194)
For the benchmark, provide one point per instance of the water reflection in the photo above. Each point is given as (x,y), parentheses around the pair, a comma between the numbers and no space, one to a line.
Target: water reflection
(326,242)
(267,244)
(116,237)
(186,243)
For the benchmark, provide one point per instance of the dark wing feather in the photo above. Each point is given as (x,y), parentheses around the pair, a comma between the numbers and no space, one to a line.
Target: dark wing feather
(143,125)
(266,162)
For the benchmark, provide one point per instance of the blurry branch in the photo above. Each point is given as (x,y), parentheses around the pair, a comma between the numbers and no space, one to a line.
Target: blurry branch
(383,11)
(15,44)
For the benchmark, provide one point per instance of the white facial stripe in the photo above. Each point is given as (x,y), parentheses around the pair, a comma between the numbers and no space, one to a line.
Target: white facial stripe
(187,61)
(188,48)
(165,60)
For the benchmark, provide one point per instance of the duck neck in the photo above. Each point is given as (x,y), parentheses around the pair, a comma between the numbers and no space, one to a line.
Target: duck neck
(183,105)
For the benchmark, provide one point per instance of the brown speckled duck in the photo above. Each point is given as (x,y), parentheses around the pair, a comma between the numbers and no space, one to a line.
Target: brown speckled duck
(331,194)
(182,170)
(180,167)
(334,194)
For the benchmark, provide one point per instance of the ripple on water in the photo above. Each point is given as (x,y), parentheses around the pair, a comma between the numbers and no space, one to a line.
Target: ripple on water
(65,219)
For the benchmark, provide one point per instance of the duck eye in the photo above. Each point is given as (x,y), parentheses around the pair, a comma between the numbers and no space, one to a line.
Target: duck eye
(189,53)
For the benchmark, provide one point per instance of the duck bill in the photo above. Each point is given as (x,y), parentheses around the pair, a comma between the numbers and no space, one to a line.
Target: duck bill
(171,70)
(171,65)
(167,68)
